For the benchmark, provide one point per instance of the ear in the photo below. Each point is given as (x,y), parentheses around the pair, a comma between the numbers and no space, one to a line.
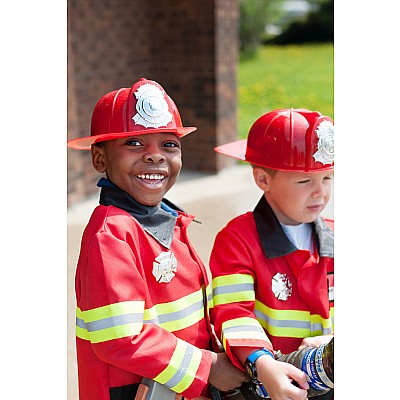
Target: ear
(98,159)
(262,178)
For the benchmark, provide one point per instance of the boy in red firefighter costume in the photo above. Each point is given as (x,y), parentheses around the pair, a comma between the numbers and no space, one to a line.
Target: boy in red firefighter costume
(141,289)
(273,268)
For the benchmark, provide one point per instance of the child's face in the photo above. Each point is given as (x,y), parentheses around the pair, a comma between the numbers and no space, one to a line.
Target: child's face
(298,197)
(144,166)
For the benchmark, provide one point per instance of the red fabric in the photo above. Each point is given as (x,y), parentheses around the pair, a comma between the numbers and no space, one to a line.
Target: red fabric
(115,265)
(238,250)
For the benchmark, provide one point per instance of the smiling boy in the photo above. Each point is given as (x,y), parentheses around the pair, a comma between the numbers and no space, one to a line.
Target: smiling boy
(141,289)
(145,166)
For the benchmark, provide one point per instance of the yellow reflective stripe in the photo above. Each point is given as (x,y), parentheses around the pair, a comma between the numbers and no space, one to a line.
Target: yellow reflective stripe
(209,296)
(188,378)
(173,306)
(110,322)
(322,326)
(292,323)
(178,314)
(332,315)
(242,328)
(109,333)
(82,333)
(190,320)
(232,279)
(232,298)
(232,288)
(282,314)
(239,322)
(244,335)
(174,364)
(150,315)
(182,368)
(285,331)
(110,310)
(317,319)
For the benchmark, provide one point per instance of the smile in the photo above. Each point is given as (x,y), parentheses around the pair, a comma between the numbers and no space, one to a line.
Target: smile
(155,177)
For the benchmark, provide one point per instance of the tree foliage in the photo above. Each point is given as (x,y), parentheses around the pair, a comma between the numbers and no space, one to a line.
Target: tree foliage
(254,15)
(316,27)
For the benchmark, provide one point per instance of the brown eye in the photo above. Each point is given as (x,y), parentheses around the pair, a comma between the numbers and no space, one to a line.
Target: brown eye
(170,144)
(133,142)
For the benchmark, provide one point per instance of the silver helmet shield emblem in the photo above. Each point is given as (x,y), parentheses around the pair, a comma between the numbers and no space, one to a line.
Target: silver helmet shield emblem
(325,152)
(151,107)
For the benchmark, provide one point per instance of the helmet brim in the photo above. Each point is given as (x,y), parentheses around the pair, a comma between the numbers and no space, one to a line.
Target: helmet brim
(235,149)
(238,150)
(85,143)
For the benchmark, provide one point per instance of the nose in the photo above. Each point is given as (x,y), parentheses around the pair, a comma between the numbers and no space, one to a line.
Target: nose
(153,155)
(319,191)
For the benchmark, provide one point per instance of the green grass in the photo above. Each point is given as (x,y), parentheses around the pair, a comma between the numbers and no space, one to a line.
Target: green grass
(294,76)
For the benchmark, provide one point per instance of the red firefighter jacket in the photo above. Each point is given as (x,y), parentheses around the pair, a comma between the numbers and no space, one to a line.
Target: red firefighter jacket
(141,302)
(266,292)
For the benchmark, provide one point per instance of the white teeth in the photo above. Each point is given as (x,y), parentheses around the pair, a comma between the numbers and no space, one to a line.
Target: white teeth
(151,176)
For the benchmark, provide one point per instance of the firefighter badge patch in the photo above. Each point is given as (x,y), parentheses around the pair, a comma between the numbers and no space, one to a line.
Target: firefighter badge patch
(164,267)
(151,107)
(281,286)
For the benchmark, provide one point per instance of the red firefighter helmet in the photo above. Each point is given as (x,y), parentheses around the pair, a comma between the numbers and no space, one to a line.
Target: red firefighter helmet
(287,139)
(143,108)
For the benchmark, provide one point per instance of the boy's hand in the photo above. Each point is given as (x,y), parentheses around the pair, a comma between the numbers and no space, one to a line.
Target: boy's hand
(315,341)
(277,378)
(223,374)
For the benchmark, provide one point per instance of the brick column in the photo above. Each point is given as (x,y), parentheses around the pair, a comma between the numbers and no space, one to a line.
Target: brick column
(189,47)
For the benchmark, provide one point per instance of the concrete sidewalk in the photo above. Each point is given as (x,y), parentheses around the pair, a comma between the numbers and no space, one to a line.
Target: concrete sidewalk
(213,199)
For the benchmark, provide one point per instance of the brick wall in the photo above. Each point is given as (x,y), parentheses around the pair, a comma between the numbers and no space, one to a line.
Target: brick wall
(189,47)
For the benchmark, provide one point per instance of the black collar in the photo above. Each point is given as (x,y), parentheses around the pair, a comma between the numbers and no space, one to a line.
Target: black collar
(274,241)
(154,220)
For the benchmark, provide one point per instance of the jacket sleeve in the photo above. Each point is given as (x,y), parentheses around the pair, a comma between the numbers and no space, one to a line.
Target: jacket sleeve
(113,317)
(233,315)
